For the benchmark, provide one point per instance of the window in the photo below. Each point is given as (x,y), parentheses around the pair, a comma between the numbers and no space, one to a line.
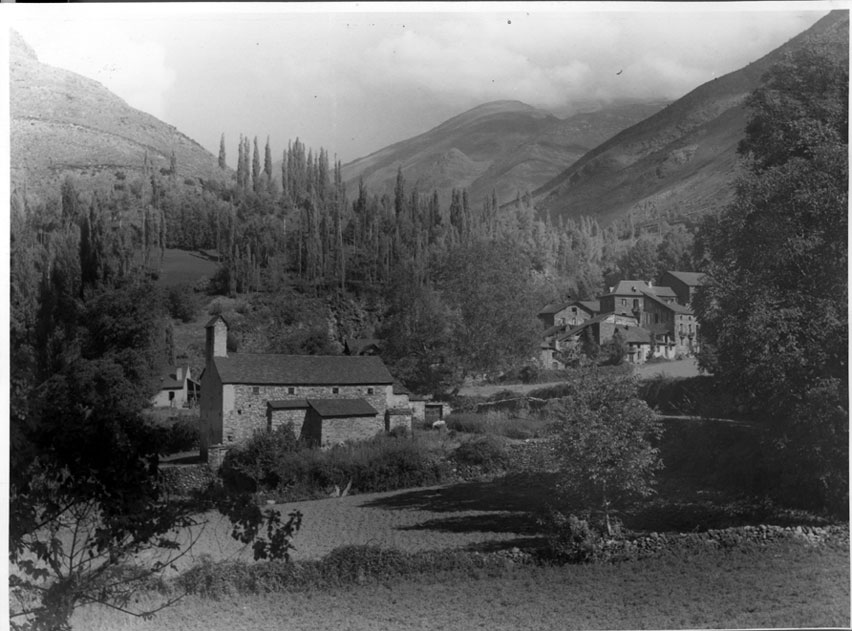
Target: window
(370,391)
(335,391)
(171,396)
(624,302)
(255,390)
(291,390)
(635,303)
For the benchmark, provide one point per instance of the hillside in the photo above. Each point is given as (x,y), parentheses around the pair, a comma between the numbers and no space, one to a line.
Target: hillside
(65,124)
(681,160)
(507,146)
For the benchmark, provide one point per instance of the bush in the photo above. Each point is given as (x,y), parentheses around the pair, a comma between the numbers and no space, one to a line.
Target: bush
(571,539)
(175,434)
(182,303)
(497,424)
(488,453)
(257,463)
(347,565)
(281,465)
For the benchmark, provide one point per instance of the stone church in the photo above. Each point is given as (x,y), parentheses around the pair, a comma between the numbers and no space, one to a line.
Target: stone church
(329,399)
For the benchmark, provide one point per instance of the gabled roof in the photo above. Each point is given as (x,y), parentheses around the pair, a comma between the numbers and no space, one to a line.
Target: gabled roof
(331,408)
(639,287)
(693,279)
(553,307)
(213,320)
(169,380)
(302,370)
(601,318)
(673,306)
(636,335)
(592,306)
(357,346)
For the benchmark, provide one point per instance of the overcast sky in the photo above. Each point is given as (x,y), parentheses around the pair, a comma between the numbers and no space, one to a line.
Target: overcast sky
(355,78)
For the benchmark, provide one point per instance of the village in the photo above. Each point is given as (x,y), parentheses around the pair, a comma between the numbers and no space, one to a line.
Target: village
(335,399)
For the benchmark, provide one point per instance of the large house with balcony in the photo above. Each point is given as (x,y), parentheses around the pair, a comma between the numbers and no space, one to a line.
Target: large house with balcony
(328,399)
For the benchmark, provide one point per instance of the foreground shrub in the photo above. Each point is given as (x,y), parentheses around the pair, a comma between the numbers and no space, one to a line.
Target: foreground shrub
(347,565)
(175,433)
(277,463)
(571,539)
(257,463)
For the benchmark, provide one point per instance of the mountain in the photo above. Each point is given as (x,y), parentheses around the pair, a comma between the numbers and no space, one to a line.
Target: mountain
(679,162)
(507,146)
(65,124)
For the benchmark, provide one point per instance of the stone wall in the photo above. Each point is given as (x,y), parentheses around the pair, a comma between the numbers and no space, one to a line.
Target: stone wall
(277,418)
(184,479)
(248,414)
(341,430)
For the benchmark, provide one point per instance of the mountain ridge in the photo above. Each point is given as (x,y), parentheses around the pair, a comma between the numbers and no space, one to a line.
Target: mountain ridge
(682,159)
(505,146)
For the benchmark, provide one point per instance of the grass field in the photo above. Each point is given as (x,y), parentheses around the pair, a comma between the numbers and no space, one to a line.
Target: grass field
(781,585)
(181,266)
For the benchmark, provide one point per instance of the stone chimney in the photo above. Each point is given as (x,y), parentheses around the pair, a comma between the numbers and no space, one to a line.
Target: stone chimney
(217,338)
(179,374)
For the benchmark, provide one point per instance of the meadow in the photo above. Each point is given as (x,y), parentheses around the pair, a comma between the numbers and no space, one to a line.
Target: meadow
(781,585)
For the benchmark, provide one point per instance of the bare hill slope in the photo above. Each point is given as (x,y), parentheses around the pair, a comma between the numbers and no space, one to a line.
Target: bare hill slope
(65,124)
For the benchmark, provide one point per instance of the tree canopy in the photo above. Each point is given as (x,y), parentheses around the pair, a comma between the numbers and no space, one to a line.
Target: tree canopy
(774,314)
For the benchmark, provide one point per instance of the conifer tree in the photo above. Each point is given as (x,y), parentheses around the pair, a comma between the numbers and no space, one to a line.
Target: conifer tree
(255,167)
(222,164)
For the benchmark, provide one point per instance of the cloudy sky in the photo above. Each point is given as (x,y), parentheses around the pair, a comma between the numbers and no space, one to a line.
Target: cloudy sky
(354,78)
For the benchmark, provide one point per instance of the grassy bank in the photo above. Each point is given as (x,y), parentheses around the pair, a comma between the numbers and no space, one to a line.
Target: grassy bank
(781,585)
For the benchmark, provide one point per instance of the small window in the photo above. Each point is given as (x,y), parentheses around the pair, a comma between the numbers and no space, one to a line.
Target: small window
(255,390)
(624,302)
(335,391)
(239,411)
(370,391)
(291,390)
(230,438)
(171,396)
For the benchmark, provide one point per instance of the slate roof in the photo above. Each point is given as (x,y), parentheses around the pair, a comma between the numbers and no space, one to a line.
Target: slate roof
(331,408)
(357,346)
(636,335)
(579,328)
(674,306)
(302,370)
(553,307)
(693,279)
(212,321)
(292,404)
(593,306)
(639,287)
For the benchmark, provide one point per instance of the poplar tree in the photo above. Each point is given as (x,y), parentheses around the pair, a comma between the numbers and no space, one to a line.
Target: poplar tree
(222,164)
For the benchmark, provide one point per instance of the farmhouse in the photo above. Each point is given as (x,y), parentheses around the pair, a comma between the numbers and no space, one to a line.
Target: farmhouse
(329,399)
(177,388)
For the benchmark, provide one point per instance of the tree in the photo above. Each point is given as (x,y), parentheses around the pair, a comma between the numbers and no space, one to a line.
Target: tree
(675,250)
(88,519)
(774,318)
(222,163)
(640,261)
(488,287)
(606,457)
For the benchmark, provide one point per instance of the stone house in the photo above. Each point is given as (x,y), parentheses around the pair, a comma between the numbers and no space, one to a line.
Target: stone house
(674,326)
(627,297)
(177,388)
(684,284)
(329,399)
(568,314)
